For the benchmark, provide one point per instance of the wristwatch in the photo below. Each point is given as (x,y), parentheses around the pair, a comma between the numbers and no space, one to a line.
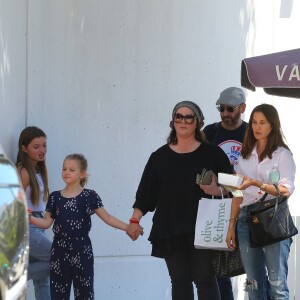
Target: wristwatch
(263,187)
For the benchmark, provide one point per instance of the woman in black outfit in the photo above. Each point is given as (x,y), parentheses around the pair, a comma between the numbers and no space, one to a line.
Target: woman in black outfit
(168,187)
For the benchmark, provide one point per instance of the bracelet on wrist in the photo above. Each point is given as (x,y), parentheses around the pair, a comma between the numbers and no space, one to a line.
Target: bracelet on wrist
(263,187)
(233,218)
(134,221)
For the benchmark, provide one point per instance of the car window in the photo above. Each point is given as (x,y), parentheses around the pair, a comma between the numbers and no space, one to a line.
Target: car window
(14,246)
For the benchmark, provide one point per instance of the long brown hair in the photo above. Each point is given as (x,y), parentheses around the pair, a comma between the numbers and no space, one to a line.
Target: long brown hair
(199,135)
(26,136)
(275,138)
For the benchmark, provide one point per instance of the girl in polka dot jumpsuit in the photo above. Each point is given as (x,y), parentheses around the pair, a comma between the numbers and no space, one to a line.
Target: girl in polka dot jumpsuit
(70,209)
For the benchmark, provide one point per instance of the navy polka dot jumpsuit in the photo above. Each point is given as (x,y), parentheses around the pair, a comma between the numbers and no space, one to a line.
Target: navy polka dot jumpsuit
(72,259)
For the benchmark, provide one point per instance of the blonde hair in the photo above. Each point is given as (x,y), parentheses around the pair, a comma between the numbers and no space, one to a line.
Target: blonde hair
(83,165)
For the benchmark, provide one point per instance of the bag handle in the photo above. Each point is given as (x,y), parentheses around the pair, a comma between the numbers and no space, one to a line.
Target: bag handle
(277,189)
(277,198)
(222,195)
(266,194)
(263,198)
(220,188)
(276,202)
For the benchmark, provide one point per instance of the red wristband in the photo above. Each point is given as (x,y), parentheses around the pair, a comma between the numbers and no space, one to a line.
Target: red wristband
(134,220)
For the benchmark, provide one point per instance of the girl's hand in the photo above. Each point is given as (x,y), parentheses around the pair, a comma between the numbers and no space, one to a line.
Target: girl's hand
(134,230)
(29,212)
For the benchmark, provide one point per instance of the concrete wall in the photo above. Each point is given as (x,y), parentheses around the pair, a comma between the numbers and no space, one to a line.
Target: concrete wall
(102,77)
(13,84)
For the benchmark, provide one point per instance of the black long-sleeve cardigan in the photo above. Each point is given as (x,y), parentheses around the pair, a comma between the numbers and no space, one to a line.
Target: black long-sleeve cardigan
(168,187)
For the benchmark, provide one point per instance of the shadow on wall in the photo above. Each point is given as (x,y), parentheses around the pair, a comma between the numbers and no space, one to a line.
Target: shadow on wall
(286,8)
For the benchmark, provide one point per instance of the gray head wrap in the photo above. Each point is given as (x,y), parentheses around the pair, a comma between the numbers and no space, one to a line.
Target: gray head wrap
(194,107)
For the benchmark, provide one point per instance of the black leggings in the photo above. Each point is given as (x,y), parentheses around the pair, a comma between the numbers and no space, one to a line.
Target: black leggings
(188,266)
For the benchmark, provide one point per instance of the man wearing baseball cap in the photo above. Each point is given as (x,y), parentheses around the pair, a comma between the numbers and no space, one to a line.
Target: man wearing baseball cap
(229,135)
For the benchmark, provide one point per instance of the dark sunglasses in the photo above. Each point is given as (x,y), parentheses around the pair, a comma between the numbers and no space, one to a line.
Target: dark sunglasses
(222,108)
(188,119)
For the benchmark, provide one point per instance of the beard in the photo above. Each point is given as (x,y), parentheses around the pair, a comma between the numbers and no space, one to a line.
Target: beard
(231,120)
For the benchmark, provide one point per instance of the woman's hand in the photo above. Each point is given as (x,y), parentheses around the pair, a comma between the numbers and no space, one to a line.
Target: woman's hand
(212,188)
(247,181)
(29,212)
(134,230)
(230,238)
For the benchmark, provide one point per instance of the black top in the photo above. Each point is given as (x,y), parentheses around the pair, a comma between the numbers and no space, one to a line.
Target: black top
(217,134)
(168,186)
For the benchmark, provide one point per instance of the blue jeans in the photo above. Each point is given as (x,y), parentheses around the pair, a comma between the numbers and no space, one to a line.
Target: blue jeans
(39,262)
(274,258)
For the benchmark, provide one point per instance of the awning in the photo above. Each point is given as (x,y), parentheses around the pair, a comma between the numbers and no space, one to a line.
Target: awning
(277,73)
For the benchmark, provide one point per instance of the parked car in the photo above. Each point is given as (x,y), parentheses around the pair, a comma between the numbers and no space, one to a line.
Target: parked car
(14,247)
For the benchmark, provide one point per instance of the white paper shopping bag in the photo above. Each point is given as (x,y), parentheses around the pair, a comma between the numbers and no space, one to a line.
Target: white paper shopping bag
(212,224)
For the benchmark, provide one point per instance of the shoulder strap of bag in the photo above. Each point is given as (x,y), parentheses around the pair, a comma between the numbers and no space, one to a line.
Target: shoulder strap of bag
(277,198)
(277,189)
(216,128)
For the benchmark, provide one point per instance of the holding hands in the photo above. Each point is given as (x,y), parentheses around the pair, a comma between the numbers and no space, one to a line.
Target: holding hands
(134,230)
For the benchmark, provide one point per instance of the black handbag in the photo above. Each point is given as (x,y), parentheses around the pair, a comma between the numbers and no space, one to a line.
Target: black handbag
(227,263)
(270,221)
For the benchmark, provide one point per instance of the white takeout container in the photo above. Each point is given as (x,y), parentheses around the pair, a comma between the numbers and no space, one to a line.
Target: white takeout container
(229,179)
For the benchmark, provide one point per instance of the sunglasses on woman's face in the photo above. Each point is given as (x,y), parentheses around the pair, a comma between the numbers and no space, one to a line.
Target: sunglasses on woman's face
(222,108)
(188,119)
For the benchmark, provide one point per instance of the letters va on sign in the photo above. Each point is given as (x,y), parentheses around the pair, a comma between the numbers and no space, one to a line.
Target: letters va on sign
(293,74)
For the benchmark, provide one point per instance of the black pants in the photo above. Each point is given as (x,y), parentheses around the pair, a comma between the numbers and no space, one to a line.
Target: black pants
(225,288)
(192,266)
